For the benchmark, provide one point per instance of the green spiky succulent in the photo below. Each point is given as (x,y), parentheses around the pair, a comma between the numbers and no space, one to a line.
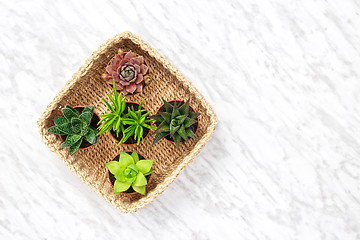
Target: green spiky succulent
(114,119)
(136,120)
(130,124)
(76,126)
(175,120)
(130,171)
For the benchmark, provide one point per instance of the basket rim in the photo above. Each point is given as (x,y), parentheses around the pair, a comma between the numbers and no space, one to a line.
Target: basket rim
(142,202)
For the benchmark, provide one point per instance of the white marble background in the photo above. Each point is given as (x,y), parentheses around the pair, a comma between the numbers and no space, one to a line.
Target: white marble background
(282,76)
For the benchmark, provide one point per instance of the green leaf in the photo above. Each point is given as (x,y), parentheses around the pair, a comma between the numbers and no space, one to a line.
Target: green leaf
(66,128)
(114,88)
(60,120)
(89,109)
(193,115)
(168,107)
(84,131)
(76,122)
(69,112)
(121,186)
(190,133)
(173,129)
(56,130)
(91,136)
(108,105)
(160,136)
(113,166)
(166,116)
(139,189)
(176,137)
(140,180)
(125,159)
(71,139)
(157,118)
(188,122)
(96,137)
(135,156)
(184,108)
(73,148)
(144,166)
(86,117)
(182,133)
(181,118)
(149,172)
(75,130)
(175,112)
(120,175)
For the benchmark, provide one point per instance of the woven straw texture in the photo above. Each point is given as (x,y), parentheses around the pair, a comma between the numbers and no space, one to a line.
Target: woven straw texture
(87,87)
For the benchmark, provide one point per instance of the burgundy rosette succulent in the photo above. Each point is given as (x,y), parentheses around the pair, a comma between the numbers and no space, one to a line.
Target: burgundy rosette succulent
(128,70)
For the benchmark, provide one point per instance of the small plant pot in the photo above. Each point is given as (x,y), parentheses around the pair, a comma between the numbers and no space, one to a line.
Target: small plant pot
(194,127)
(131,140)
(112,178)
(147,73)
(94,121)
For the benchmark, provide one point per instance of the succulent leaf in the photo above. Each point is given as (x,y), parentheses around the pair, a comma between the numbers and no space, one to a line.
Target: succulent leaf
(56,130)
(121,186)
(140,180)
(86,117)
(135,156)
(190,133)
(113,166)
(159,136)
(60,120)
(73,148)
(69,112)
(144,166)
(90,136)
(177,139)
(182,133)
(71,139)
(66,128)
(140,189)
(125,159)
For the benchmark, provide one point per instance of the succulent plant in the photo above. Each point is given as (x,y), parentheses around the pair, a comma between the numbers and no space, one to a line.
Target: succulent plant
(128,70)
(130,171)
(175,120)
(76,126)
(136,120)
(114,119)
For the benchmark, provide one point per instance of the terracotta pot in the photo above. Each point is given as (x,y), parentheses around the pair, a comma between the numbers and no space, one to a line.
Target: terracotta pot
(168,138)
(148,72)
(85,143)
(148,178)
(113,133)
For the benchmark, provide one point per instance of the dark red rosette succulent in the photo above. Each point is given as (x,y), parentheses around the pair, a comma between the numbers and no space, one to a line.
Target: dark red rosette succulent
(128,70)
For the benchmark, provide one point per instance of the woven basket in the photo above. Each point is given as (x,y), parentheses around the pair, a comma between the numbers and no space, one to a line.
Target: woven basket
(87,87)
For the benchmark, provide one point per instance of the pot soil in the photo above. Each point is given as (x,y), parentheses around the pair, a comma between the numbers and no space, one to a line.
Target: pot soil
(93,124)
(112,178)
(194,127)
(131,140)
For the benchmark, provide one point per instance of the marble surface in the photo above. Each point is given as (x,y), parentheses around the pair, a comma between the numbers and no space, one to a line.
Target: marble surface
(282,76)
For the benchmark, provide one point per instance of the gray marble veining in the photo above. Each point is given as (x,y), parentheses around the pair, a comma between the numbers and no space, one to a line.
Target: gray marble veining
(282,76)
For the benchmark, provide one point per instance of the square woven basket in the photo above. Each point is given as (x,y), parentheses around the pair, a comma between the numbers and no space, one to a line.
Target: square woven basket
(87,87)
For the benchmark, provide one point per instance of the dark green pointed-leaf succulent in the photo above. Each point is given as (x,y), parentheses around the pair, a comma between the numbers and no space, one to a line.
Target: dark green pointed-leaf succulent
(129,171)
(76,126)
(175,120)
